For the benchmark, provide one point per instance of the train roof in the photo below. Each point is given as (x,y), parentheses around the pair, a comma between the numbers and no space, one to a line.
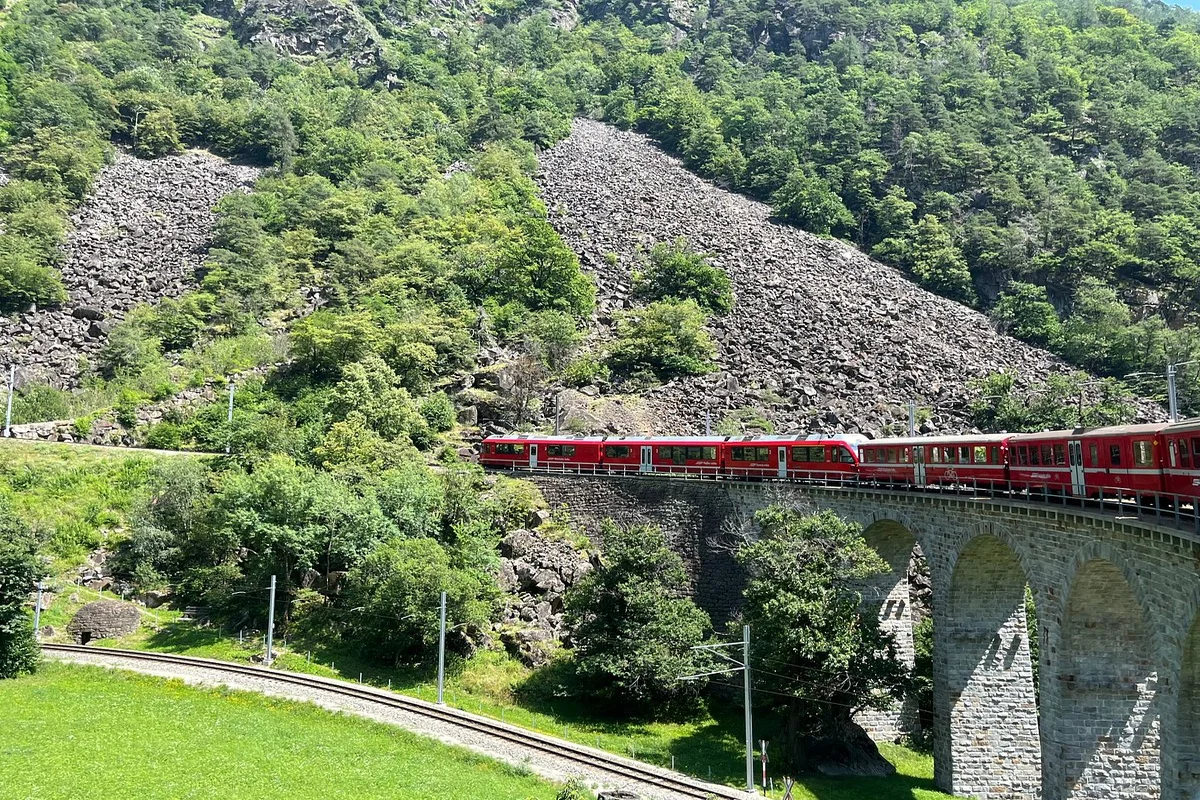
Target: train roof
(1184,426)
(967,439)
(1144,429)
(542,437)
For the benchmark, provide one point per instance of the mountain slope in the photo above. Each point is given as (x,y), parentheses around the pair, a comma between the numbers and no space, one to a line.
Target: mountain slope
(821,336)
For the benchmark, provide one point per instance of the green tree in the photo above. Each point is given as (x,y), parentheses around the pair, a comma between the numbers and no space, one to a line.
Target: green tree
(1024,311)
(398,589)
(814,641)
(937,262)
(156,134)
(1062,402)
(675,272)
(808,201)
(19,571)
(633,627)
(664,338)
(550,336)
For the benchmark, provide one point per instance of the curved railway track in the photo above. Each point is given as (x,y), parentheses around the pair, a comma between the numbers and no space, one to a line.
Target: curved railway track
(613,771)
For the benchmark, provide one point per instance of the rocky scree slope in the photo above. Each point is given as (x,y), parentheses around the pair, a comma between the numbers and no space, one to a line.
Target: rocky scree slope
(821,338)
(141,236)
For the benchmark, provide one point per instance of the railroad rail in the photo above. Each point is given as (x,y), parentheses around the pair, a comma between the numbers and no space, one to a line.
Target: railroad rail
(623,773)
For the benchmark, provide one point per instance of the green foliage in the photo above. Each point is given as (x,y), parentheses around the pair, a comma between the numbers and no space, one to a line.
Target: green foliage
(24,281)
(665,339)
(19,570)
(585,370)
(1055,405)
(398,588)
(741,421)
(156,134)
(810,202)
(1024,311)
(634,628)
(438,411)
(804,604)
(40,403)
(550,336)
(937,263)
(128,351)
(674,272)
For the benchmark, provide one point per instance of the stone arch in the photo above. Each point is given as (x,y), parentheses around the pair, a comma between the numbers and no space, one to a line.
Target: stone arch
(888,595)
(983,643)
(1108,732)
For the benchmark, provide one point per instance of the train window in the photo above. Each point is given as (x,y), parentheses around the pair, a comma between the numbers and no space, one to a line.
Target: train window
(1185,456)
(616,451)
(1023,456)
(995,459)
(964,455)
(1196,447)
(509,449)
(906,455)
(1035,458)
(812,453)
(1114,454)
(1060,454)
(935,455)
(1093,455)
(709,453)
(948,455)
(1047,455)
(693,454)
(841,454)
(1143,453)
(562,450)
(981,455)
(751,454)
(892,455)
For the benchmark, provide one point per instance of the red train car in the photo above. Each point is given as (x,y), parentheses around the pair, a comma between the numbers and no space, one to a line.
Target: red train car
(694,455)
(1181,458)
(1085,462)
(533,451)
(954,460)
(795,457)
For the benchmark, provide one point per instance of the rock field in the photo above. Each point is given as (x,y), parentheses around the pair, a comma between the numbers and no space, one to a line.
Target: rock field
(141,236)
(822,338)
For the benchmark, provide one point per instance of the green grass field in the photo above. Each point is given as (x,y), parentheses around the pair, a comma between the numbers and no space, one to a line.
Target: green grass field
(80,732)
(494,685)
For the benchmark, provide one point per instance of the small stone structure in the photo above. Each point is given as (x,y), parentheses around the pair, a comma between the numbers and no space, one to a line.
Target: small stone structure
(103,619)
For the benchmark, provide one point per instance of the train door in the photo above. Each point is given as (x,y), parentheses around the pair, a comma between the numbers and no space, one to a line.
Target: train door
(533,448)
(1075,457)
(782,462)
(919,465)
(647,459)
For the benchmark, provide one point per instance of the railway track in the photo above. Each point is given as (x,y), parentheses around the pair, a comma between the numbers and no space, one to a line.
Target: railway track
(613,771)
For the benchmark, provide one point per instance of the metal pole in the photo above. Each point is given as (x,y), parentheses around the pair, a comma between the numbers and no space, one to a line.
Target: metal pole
(12,381)
(707,420)
(271,622)
(912,419)
(1172,400)
(442,655)
(557,412)
(229,420)
(37,615)
(1081,408)
(749,713)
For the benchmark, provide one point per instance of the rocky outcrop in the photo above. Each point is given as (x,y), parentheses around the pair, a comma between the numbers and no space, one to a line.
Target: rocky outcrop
(104,619)
(140,237)
(536,572)
(822,338)
(308,30)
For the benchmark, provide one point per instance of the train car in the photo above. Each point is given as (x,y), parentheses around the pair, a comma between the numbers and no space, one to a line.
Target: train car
(694,455)
(1086,462)
(534,451)
(794,457)
(937,460)
(1181,459)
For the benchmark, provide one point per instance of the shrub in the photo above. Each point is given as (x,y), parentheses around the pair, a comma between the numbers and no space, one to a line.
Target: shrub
(128,351)
(40,403)
(675,272)
(438,411)
(585,370)
(550,336)
(24,281)
(19,570)
(164,436)
(665,338)
(156,134)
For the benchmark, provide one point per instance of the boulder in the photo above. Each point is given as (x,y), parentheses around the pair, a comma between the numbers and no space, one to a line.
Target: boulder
(104,619)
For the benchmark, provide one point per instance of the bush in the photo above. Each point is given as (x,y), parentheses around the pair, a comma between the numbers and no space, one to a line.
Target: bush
(438,411)
(585,370)
(40,403)
(665,338)
(164,436)
(23,281)
(128,351)
(550,336)
(19,570)
(634,628)
(156,134)
(675,272)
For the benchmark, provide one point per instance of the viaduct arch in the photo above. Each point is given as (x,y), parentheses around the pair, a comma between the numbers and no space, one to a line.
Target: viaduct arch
(1115,712)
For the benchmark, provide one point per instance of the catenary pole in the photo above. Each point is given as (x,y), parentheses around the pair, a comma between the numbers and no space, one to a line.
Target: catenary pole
(442,655)
(37,615)
(12,383)
(271,622)
(912,419)
(749,712)
(1172,399)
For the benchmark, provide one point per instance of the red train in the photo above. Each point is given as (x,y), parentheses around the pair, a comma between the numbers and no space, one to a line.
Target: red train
(1130,459)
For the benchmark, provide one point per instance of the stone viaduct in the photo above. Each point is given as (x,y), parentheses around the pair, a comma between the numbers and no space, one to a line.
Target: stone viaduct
(1117,713)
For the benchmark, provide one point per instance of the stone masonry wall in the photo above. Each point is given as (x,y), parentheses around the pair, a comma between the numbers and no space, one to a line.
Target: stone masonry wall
(1116,601)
